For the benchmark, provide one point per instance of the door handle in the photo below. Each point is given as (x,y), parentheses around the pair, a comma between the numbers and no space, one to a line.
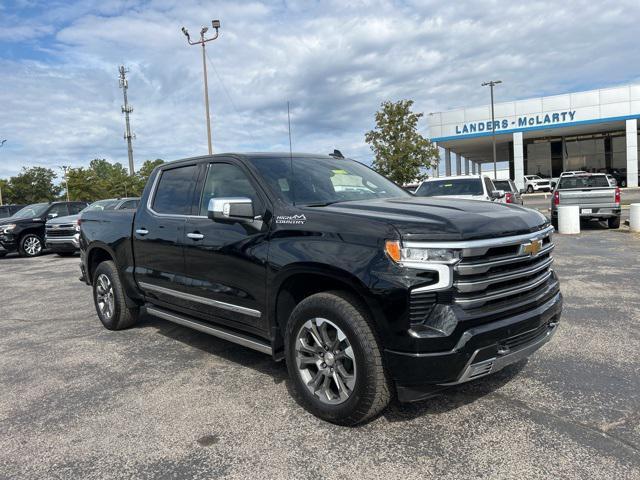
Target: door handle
(142,231)
(195,236)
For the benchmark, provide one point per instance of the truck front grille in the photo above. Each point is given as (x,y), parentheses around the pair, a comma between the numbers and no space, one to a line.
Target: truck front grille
(63,230)
(491,274)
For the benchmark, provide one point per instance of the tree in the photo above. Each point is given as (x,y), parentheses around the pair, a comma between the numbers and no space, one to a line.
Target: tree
(145,171)
(34,185)
(401,153)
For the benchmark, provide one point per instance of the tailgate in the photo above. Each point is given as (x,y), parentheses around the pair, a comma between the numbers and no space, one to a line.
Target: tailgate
(588,197)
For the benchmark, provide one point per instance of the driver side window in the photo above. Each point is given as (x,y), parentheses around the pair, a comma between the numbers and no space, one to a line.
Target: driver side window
(225,180)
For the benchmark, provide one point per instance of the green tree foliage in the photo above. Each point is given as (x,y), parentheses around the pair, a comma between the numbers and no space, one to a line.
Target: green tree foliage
(401,153)
(31,185)
(145,171)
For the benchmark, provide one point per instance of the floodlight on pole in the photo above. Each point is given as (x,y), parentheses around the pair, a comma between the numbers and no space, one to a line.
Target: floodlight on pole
(216,25)
(491,84)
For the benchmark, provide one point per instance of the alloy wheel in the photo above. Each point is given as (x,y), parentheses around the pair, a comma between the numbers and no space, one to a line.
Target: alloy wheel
(325,361)
(33,246)
(104,296)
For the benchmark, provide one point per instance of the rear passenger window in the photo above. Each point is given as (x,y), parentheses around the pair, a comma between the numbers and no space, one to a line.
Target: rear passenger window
(76,208)
(174,193)
(129,205)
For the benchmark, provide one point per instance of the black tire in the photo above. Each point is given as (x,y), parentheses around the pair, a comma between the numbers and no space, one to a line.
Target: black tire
(121,316)
(614,222)
(66,254)
(30,245)
(554,222)
(3,254)
(372,388)
(623,183)
(529,189)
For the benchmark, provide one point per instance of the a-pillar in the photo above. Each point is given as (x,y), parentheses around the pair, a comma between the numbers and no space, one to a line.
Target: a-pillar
(447,162)
(632,152)
(518,160)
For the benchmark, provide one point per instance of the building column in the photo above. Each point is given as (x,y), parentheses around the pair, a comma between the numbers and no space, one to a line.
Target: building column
(479,167)
(473,168)
(466,166)
(447,162)
(458,164)
(518,160)
(632,152)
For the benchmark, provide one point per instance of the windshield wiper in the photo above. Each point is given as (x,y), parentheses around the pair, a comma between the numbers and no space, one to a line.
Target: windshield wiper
(321,204)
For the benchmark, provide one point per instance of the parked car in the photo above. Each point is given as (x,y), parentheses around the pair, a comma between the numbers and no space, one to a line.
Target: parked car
(7,211)
(366,293)
(597,199)
(470,187)
(620,175)
(24,231)
(512,193)
(534,183)
(62,233)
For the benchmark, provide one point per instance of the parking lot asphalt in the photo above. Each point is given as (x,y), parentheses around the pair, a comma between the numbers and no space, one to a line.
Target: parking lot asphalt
(162,401)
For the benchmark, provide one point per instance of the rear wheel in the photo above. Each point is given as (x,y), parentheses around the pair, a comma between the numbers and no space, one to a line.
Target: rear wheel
(30,245)
(335,360)
(109,298)
(614,222)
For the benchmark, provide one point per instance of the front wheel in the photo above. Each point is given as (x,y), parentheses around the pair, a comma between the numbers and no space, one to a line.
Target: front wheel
(529,189)
(335,359)
(30,245)
(109,298)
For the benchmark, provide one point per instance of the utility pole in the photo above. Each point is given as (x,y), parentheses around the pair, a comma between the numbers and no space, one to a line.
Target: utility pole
(491,84)
(2,142)
(127,109)
(215,24)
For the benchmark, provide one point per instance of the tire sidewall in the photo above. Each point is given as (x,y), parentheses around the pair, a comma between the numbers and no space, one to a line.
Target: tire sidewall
(109,323)
(363,369)
(24,239)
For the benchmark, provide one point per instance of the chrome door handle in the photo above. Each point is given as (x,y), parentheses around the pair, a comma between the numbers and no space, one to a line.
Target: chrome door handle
(142,231)
(195,236)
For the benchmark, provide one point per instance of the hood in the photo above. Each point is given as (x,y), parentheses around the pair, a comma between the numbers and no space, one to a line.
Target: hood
(8,220)
(61,220)
(429,218)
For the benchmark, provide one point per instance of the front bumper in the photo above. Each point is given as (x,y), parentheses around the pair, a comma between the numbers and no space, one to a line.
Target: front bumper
(63,243)
(481,350)
(8,243)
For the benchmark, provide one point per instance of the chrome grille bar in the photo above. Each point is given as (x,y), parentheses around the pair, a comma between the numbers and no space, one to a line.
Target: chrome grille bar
(465,286)
(479,300)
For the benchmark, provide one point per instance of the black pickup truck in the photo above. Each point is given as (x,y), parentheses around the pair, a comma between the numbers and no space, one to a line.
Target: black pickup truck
(364,289)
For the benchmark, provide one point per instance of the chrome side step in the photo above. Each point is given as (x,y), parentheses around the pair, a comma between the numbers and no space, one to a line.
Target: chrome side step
(240,339)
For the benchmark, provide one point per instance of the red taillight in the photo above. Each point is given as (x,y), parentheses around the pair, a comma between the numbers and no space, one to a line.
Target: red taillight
(509,197)
(617,194)
(556,198)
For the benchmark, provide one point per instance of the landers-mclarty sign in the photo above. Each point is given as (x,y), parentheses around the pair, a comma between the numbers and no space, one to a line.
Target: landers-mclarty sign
(524,121)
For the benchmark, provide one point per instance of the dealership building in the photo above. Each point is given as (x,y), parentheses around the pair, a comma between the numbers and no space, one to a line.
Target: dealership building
(545,136)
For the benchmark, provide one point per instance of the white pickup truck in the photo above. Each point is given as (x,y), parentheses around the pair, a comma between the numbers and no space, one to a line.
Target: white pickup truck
(593,193)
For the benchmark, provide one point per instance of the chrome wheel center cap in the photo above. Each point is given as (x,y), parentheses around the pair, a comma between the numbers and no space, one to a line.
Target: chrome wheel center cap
(329,359)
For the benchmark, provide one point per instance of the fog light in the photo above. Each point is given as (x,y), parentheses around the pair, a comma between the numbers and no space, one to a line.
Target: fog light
(441,322)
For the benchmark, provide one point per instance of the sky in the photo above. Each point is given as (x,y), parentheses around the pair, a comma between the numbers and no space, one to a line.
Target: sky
(334,61)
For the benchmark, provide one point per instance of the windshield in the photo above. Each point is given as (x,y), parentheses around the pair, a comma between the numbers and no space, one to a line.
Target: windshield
(101,205)
(458,186)
(320,181)
(583,181)
(31,211)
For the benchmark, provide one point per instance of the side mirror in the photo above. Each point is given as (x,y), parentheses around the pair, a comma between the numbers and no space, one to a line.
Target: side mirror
(497,194)
(238,209)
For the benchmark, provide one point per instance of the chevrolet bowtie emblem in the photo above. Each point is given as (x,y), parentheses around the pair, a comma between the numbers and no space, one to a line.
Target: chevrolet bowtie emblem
(532,248)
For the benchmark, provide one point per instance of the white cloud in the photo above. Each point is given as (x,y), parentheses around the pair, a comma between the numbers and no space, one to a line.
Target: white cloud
(335,61)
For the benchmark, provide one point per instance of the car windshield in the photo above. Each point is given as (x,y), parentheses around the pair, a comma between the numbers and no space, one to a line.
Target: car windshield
(502,185)
(321,181)
(101,205)
(31,211)
(458,186)
(583,181)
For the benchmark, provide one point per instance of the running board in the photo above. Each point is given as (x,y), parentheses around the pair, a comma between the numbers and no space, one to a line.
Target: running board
(240,339)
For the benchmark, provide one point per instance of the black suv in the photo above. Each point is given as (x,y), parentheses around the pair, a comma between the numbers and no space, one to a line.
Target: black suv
(24,231)
(8,210)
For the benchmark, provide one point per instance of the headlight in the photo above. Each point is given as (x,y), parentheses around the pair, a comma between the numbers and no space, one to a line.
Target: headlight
(413,255)
(8,228)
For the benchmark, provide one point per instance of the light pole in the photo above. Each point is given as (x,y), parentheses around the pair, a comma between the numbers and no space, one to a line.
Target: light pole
(2,142)
(215,24)
(491,84)
(66,179)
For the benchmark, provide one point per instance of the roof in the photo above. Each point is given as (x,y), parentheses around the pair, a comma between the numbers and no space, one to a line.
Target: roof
(456,177)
